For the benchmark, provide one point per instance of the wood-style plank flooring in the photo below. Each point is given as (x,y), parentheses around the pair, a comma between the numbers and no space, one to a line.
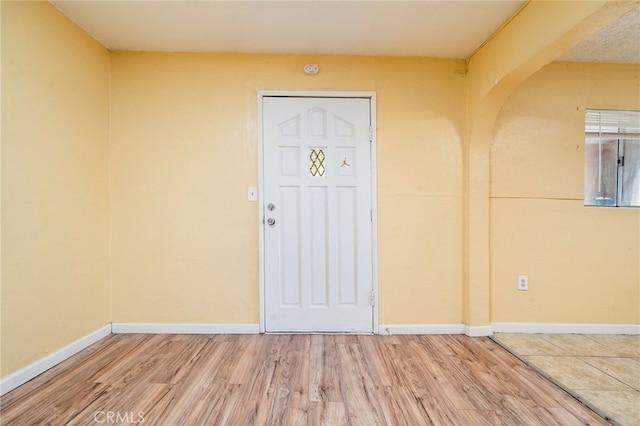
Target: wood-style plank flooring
(292,380)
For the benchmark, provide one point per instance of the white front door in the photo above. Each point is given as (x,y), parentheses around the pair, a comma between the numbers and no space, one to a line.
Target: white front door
(317,194)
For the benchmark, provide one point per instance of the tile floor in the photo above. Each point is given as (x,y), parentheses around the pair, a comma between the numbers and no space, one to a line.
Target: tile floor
(603,371)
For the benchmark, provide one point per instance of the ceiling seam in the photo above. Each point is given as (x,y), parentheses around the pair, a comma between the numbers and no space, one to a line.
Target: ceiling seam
(496,32)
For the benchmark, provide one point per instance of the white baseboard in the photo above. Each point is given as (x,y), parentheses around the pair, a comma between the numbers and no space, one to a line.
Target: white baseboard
(559,328)
(21,377)
(478,330)
(473,331)
(509,327)
(184,328)
(421,329)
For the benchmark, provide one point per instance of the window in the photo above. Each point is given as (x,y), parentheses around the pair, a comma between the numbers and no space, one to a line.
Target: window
(612,158)
(316,162)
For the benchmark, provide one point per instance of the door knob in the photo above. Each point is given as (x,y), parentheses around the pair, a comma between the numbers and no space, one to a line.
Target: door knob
(271,221)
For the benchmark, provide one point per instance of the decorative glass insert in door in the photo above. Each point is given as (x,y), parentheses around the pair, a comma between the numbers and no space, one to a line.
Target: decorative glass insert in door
(316,162)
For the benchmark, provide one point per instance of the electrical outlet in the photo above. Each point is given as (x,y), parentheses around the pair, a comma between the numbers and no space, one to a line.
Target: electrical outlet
(523,282)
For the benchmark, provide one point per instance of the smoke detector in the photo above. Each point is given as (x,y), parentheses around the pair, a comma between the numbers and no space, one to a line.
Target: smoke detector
(311,69)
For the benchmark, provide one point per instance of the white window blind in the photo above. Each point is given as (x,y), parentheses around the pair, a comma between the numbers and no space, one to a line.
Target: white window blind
(612,124)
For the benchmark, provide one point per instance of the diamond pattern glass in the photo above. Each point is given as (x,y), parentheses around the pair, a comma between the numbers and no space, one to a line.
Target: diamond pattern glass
(316,162)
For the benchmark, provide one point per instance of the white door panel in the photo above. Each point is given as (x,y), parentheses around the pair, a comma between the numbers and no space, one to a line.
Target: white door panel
(318,197)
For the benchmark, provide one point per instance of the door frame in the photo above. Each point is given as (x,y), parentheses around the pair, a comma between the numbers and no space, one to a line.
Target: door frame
(371,96)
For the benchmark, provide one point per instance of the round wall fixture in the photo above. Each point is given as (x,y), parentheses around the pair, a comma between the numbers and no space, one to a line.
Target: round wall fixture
(311,69)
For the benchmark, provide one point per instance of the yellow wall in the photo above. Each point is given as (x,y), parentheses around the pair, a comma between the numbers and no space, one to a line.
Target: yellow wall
(184,150)
(583,262)
(55,136)
(539,32)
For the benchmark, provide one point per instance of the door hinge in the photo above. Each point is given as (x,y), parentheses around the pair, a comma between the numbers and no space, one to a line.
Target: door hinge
(370,134)
(372,298)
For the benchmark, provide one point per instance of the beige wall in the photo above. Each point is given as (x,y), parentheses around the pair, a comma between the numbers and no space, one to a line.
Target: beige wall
(55,136)
(184,150)
(583,262)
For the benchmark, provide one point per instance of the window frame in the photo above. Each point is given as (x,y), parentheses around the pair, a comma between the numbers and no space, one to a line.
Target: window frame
(621,127)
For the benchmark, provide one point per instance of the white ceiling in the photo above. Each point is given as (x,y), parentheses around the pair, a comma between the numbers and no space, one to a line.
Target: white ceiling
(445,29)
(450,29)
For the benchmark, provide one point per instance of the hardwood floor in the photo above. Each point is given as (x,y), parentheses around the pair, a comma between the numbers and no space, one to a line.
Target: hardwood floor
(292,380)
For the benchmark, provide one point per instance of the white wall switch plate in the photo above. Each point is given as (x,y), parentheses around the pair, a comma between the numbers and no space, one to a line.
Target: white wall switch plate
(252,193)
